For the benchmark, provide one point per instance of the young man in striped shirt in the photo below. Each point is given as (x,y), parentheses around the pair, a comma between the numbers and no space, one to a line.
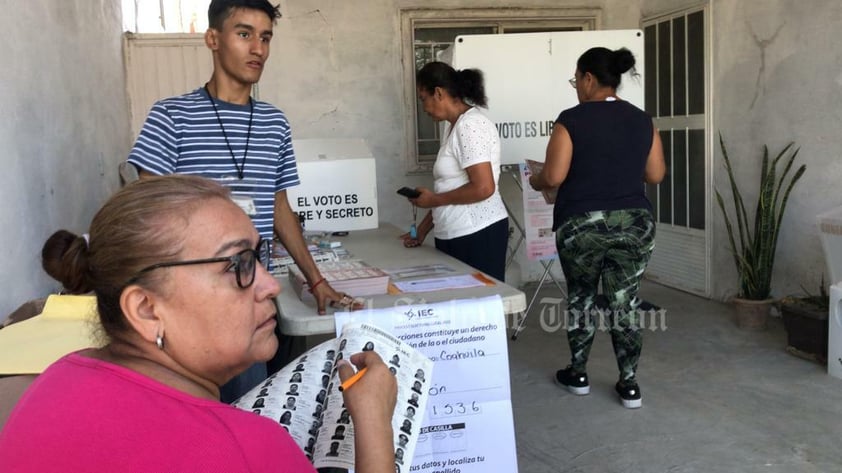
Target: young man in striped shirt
(218,131)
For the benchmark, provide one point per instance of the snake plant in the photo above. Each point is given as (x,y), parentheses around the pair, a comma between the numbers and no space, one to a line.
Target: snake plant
(754,243)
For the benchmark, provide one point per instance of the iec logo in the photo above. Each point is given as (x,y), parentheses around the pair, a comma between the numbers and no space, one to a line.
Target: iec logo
(420,314)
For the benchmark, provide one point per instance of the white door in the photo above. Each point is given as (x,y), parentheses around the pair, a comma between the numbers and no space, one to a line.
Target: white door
(676,48)
(160,66)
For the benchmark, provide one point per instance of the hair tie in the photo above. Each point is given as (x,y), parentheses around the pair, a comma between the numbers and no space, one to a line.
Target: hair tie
(87,238)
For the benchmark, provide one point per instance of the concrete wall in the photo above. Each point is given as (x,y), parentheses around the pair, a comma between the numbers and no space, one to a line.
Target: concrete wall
(777,79)
(65,128)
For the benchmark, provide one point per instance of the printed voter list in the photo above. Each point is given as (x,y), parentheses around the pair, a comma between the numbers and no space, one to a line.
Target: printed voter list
(468,424)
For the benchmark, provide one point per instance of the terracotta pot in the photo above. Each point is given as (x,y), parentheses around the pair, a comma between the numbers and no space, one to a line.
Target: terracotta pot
(751,314)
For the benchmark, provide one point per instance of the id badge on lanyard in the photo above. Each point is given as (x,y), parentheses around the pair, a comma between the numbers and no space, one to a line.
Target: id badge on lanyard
(242,193)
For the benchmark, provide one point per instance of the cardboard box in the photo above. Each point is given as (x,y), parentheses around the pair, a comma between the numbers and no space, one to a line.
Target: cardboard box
(338,190)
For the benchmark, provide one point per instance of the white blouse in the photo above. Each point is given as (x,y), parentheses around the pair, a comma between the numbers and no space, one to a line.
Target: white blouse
(472,140)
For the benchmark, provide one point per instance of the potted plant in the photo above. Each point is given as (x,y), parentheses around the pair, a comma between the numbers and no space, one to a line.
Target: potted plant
(754,241)
(805,320)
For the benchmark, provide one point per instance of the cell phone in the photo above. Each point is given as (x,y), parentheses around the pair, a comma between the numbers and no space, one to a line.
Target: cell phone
(408,192)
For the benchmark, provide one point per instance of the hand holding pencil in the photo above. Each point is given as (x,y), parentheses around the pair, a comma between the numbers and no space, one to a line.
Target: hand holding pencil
(372,388)
(353,379)
(370,395)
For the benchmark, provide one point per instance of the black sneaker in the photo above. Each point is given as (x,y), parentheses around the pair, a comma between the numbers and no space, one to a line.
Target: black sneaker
(576,383)
(629,394)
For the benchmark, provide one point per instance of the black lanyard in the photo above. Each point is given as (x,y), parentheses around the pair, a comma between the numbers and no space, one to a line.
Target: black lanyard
(240,169)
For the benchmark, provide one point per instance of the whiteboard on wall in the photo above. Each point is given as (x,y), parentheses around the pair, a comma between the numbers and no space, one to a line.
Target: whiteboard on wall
(526,80)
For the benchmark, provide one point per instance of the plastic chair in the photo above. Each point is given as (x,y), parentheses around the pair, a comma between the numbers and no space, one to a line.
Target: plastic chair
(128,173)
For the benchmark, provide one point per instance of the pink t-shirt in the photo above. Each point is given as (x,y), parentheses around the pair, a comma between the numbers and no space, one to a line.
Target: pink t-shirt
(88,415)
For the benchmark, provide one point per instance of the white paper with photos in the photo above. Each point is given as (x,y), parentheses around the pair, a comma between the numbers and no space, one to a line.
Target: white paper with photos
(468,425)
(304,397)
(538,233)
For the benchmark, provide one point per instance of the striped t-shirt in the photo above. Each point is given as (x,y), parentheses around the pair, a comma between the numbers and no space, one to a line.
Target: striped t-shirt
(182,135)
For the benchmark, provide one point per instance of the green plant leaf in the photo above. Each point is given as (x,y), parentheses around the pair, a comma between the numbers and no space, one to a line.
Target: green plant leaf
(754,257)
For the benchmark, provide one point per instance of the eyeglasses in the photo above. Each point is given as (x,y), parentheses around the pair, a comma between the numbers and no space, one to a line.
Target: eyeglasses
(244,264)
(572,82)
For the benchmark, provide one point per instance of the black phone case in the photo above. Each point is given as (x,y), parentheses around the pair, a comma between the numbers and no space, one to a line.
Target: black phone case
(408,192)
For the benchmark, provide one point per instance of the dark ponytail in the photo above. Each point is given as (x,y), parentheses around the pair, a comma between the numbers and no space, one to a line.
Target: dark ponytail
(64,258)
(140,225)
(467,84)
(606,65)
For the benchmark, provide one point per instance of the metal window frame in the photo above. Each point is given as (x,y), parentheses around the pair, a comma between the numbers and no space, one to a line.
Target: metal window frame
(684,122)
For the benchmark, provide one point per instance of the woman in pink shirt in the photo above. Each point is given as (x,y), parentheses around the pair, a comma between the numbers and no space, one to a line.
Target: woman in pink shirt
(186,303)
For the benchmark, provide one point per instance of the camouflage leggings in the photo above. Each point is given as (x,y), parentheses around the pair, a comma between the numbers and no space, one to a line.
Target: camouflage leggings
(615,246)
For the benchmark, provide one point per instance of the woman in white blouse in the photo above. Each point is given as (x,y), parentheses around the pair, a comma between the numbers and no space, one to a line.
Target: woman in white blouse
(467,214)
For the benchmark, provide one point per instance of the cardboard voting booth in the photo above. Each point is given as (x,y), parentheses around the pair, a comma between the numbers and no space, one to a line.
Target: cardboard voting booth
(338,190)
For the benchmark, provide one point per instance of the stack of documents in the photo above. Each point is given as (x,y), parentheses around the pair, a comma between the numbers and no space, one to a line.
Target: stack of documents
(354,277)
(282,261)
(535,168)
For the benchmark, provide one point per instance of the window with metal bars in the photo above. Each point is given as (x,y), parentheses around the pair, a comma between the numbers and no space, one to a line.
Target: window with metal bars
(675,96)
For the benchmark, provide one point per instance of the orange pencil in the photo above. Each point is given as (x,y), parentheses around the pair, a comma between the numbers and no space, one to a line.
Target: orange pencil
(353,379)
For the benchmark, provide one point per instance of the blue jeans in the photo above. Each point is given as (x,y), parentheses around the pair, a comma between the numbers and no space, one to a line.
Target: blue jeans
(485,249)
